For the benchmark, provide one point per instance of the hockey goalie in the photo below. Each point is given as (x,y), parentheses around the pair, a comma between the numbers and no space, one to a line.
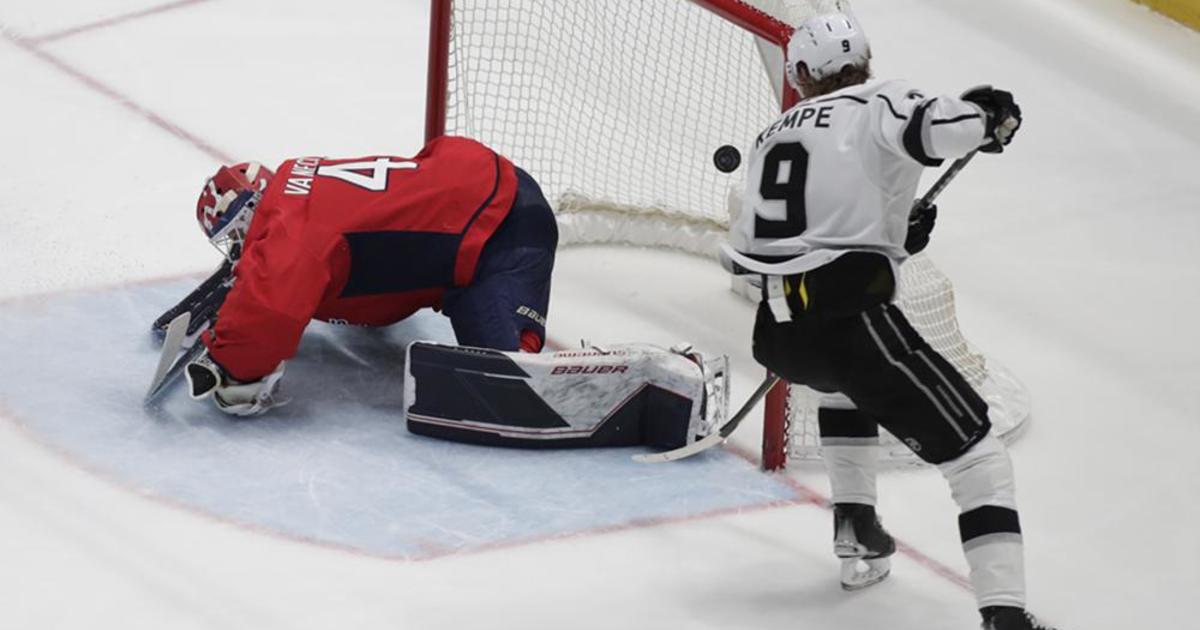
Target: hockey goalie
(368,242)
(364,242)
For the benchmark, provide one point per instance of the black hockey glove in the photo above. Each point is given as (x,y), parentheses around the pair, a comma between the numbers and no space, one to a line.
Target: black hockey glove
(1003,116)
(920,226)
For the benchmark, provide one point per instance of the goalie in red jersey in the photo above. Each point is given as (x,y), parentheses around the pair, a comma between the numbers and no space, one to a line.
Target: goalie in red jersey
(369,241)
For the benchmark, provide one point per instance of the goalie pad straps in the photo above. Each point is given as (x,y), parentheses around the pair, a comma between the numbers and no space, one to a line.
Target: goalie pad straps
(619,396)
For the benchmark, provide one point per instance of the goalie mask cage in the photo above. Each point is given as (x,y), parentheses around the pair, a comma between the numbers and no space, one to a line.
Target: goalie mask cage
(616,107)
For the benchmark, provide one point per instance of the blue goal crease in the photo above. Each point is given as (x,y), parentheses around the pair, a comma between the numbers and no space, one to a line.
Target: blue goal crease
(336,465)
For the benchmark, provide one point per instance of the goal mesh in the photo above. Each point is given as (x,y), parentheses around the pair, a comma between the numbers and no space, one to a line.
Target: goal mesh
(616,107)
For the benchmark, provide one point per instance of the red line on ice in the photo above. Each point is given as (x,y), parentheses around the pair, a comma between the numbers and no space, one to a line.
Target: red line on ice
(903,548)
(112,21)
(112,94)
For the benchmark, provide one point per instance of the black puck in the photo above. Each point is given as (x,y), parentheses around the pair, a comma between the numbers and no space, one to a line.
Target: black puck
(727,158)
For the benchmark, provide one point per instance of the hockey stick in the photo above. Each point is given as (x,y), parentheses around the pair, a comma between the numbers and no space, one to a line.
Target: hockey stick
(167,359)
(202,303)
(183,323)
(716,438)
(769,382)
(944,181)
(173,372)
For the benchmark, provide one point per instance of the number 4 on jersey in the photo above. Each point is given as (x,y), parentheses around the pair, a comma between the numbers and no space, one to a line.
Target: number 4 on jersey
(375,181)
(784,183)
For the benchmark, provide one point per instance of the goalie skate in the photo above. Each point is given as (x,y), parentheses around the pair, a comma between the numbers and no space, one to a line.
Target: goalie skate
(864,547)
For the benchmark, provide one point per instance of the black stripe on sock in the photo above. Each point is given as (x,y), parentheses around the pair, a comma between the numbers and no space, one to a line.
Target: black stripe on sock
(988,519)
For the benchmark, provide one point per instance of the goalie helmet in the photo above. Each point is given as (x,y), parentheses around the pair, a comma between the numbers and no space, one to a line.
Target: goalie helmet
(227,203)
(826,44)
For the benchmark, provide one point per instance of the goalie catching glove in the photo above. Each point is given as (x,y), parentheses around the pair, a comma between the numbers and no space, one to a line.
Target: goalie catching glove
(234,397)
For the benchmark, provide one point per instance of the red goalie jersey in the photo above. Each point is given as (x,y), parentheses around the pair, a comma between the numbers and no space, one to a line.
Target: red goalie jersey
(364,241)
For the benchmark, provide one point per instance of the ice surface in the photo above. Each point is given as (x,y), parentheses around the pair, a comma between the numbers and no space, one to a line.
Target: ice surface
(1073,257)
(335,465)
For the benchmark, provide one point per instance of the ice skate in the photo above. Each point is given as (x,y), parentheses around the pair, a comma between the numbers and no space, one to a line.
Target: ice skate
(863,545)
(1010,618)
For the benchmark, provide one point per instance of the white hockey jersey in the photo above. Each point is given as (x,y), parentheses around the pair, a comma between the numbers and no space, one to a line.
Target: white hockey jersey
(839,173)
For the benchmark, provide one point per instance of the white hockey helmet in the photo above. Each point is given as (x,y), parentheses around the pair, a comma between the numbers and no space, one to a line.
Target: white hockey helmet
(826,44)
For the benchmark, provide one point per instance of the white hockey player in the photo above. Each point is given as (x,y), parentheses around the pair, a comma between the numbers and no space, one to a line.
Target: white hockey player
(825,224)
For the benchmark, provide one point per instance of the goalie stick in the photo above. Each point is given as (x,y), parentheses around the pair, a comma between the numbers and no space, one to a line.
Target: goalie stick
(170,362)
(180,327)
(202,303)
(728,428)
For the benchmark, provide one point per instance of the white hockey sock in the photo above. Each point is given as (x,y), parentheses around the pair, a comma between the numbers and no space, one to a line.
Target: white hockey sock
(850,450)
(981,481)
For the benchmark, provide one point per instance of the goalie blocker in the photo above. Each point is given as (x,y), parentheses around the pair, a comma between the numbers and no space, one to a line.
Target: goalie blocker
(625,395)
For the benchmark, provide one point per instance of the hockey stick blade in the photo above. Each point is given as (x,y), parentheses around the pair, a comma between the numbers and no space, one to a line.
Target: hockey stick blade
(720,436)
(168,364)
(175,370)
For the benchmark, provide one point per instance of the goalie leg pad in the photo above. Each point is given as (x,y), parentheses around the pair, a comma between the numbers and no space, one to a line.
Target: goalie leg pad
(621,396)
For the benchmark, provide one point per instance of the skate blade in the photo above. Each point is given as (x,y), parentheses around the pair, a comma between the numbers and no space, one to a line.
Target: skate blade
(858,574)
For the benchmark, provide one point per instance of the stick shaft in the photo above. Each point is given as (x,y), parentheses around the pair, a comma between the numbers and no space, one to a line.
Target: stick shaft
(947,177)
(745,409)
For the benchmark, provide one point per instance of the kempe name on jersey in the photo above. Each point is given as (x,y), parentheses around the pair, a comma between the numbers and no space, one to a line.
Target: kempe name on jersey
(816,116)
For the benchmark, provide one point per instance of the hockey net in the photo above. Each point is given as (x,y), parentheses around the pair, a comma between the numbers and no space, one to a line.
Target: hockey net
(616,108)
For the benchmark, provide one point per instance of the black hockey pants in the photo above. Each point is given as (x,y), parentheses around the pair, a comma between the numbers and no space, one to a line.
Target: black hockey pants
(845,336)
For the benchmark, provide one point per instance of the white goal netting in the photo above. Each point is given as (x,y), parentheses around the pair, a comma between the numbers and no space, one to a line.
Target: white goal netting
(616,108)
